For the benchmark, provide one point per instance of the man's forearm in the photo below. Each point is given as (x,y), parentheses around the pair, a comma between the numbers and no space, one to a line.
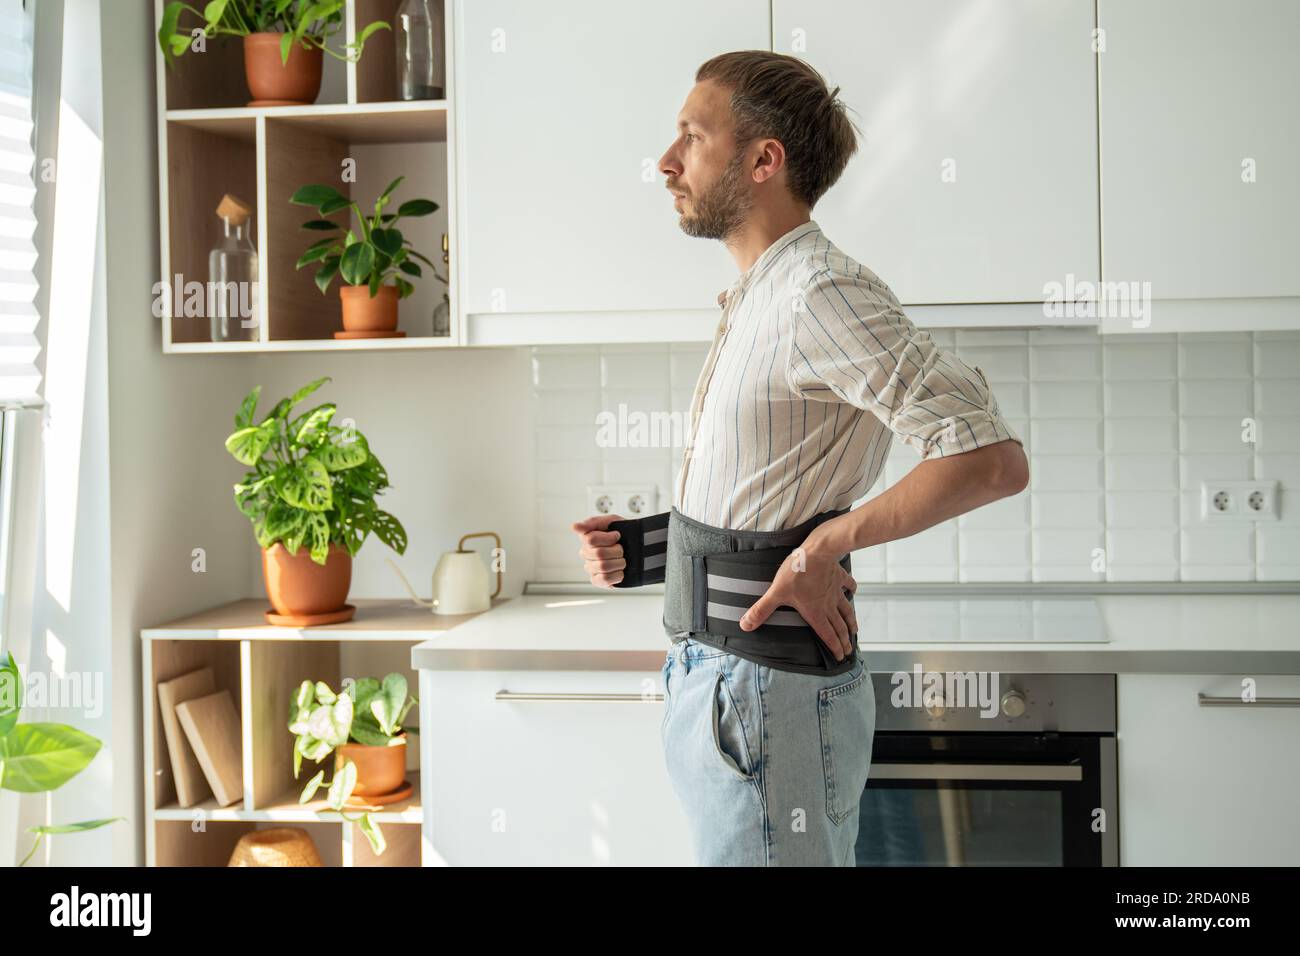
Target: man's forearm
(933,491)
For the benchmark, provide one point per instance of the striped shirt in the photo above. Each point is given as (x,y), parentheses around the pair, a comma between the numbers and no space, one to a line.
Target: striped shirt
(813,368)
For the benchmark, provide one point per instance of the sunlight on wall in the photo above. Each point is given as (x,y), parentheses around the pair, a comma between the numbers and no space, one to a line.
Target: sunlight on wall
(72,270)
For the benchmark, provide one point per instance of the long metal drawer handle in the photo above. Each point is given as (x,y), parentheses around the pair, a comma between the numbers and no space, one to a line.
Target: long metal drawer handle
(585,698)
(1205,700)
(974,771)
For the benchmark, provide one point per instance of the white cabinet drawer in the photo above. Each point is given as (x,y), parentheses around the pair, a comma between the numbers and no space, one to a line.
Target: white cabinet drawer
(1207,785)
(560,779)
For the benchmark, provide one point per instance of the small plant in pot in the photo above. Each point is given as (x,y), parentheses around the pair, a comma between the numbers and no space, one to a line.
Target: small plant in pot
(362,727)
(283,41)
(311,499)
(373,260)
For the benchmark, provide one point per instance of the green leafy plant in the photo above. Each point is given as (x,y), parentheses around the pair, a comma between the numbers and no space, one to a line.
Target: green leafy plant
(368,712)
(309,23)
(312,482)
(372,256)
(35,758)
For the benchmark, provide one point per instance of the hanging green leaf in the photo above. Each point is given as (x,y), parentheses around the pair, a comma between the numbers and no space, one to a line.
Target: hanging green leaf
(326,273)
(373,834)
(341,787)
(41,756)
(310,788)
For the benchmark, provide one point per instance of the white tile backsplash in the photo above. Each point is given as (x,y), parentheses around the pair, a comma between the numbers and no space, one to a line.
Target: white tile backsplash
(1120,432)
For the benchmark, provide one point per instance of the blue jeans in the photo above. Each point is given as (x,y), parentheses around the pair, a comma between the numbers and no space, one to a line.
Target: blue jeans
(769,765)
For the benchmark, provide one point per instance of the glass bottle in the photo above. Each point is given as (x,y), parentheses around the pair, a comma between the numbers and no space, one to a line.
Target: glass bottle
(421,60)
(232,276)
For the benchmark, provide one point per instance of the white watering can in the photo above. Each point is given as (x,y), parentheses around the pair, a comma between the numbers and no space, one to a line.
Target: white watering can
(461,581)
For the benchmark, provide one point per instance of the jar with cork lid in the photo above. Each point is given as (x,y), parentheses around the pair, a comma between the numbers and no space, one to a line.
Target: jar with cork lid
(232,275)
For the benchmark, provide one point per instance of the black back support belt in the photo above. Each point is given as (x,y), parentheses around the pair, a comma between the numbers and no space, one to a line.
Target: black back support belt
(713,575)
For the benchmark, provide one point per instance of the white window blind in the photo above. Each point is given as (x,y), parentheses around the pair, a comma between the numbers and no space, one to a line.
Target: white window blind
(20,377)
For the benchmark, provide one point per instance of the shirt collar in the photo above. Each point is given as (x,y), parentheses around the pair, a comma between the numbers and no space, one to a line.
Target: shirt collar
(771,253)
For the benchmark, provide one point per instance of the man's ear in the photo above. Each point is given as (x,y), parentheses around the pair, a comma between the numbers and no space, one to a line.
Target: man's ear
(770,160)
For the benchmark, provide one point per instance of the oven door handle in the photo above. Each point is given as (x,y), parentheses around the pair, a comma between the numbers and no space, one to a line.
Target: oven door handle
(974,771)
(1205,700)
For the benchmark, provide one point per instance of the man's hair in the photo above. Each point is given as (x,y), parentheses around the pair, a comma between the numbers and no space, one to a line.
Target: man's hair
(782,97)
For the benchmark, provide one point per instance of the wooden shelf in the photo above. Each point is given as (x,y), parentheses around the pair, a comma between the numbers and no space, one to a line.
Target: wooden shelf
(286,808)
(315,345)
(420,121)
(262,666)
(377,619)
(356,137)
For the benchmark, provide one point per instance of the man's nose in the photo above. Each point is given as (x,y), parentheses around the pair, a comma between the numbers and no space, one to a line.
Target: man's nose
(668,164)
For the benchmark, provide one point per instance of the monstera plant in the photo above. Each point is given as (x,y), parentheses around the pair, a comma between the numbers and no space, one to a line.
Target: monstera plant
(311,500)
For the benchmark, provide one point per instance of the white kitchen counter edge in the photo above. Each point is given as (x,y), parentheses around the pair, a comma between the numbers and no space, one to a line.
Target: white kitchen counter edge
(1149,633)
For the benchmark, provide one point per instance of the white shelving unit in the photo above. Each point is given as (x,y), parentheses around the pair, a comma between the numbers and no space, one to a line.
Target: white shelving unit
(262,665)
(209,144)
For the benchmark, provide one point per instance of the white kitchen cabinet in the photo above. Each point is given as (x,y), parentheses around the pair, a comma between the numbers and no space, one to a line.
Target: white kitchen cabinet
(560,781)
(976,176)
(565,110)
(1207,785)
(1200,143)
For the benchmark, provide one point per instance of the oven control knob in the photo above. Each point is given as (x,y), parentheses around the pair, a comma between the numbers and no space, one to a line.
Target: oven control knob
(1013,704)
(936,709)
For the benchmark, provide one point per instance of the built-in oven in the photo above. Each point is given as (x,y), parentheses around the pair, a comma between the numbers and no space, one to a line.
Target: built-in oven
(987,769)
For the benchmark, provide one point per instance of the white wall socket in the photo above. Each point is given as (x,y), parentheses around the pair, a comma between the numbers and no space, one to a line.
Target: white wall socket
(630,501)
(1238,500)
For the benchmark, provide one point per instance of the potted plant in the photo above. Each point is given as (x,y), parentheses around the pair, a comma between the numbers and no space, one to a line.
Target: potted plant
(362,727)
(35,758)
(372,261)
(283,41)
(311,499)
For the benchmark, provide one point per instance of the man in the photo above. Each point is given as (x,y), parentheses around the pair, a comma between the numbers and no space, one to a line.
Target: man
(770,716)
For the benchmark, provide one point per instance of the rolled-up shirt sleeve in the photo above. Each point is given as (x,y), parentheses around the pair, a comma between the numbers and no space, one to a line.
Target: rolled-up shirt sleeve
(851,342)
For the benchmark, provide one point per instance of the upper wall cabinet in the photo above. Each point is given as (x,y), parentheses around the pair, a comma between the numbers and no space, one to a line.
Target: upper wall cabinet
(1200,148)
(232,284)
(565,109)
(976,176)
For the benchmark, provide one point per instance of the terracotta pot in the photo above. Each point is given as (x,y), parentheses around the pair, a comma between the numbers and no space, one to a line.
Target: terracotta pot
(275,84)
(380,770)
(297,585)
(364,314)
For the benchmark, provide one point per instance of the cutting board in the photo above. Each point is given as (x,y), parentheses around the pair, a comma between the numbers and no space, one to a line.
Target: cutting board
(191,785)
(211,726)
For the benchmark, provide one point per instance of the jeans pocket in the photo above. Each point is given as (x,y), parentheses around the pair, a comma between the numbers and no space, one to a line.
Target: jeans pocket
(847,720)
(729,738)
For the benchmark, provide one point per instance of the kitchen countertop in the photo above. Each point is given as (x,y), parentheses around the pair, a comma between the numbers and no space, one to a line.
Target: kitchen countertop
(1098,633)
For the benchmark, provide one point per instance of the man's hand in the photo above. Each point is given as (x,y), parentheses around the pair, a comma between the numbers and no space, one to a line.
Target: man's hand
(812,581)
(600,550)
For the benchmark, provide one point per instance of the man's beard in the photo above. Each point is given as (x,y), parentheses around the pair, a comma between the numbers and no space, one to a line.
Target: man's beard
(723,207)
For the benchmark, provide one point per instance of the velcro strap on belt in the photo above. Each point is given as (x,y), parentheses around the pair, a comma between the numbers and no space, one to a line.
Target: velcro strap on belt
(645,548)
(725,586)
